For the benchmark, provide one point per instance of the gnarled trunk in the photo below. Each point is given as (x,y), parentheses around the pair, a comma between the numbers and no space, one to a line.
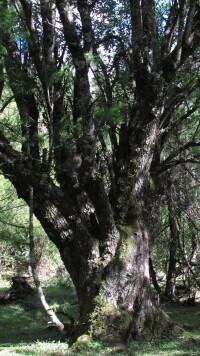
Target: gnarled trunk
(108,262)
(115,298)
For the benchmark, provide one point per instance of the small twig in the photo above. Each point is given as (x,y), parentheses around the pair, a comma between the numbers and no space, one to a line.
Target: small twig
(14,225)
(7,102)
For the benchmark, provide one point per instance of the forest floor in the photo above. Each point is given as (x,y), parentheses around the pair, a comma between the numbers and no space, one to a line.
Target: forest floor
(24,329)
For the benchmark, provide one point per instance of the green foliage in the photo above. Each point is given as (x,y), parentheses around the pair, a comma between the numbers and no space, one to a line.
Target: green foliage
(3,51)
(113,115)
(14,249)
(91,59)
(65,73)
(7,17)
(10,123)
(13,215)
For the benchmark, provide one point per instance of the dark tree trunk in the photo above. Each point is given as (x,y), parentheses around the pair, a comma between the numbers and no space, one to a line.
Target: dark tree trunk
(121,300)
(153,277)
(171,272)
(20,289)
(173,244)
(114,297)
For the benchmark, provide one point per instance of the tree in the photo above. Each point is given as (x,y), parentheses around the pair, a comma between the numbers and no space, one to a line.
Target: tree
(13,231)
(174,223)
(107,84)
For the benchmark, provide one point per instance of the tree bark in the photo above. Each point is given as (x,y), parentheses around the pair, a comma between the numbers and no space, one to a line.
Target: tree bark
(173,244)
(114,297)
(153,277)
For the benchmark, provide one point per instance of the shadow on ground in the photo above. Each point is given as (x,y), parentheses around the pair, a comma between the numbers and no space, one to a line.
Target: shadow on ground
(25,321)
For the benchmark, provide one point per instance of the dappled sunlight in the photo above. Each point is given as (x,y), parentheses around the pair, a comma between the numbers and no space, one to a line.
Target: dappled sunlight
(25,321)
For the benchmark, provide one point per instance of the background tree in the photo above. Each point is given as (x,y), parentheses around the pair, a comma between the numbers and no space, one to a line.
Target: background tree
(14,252)
(67,64)
(175,225)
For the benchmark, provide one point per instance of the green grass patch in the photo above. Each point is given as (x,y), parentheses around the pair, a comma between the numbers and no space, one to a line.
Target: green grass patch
(184,343)
(24,329)
(24,326)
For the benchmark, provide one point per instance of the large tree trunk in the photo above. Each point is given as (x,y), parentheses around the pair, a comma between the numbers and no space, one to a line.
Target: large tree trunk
(115,298)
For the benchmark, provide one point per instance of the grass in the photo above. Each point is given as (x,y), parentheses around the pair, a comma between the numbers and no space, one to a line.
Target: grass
(24,329)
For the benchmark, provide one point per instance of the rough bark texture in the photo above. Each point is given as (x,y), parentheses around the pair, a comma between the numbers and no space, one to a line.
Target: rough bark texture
(173,246)
(153,277)
(123,300)
(115,299)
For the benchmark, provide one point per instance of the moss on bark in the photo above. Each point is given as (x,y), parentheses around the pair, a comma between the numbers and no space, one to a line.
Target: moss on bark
(156,323)
(82,344)
(109,323)
(125,243)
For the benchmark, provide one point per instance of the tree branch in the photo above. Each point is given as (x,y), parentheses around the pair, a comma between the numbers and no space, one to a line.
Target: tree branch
(181,149)
(13,225)
(192,159)
(6,103)
(84,10)
(34,44)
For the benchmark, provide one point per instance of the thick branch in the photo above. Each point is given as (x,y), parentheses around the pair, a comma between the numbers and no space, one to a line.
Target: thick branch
(48,32)
(84,10)
(34,44)
(169,29)
(5,104)
(18,170)
(82,81)
(179,150)
(21,82)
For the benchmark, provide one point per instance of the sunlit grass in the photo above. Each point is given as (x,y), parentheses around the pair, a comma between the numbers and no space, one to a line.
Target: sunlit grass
(24,329)
(37,348)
